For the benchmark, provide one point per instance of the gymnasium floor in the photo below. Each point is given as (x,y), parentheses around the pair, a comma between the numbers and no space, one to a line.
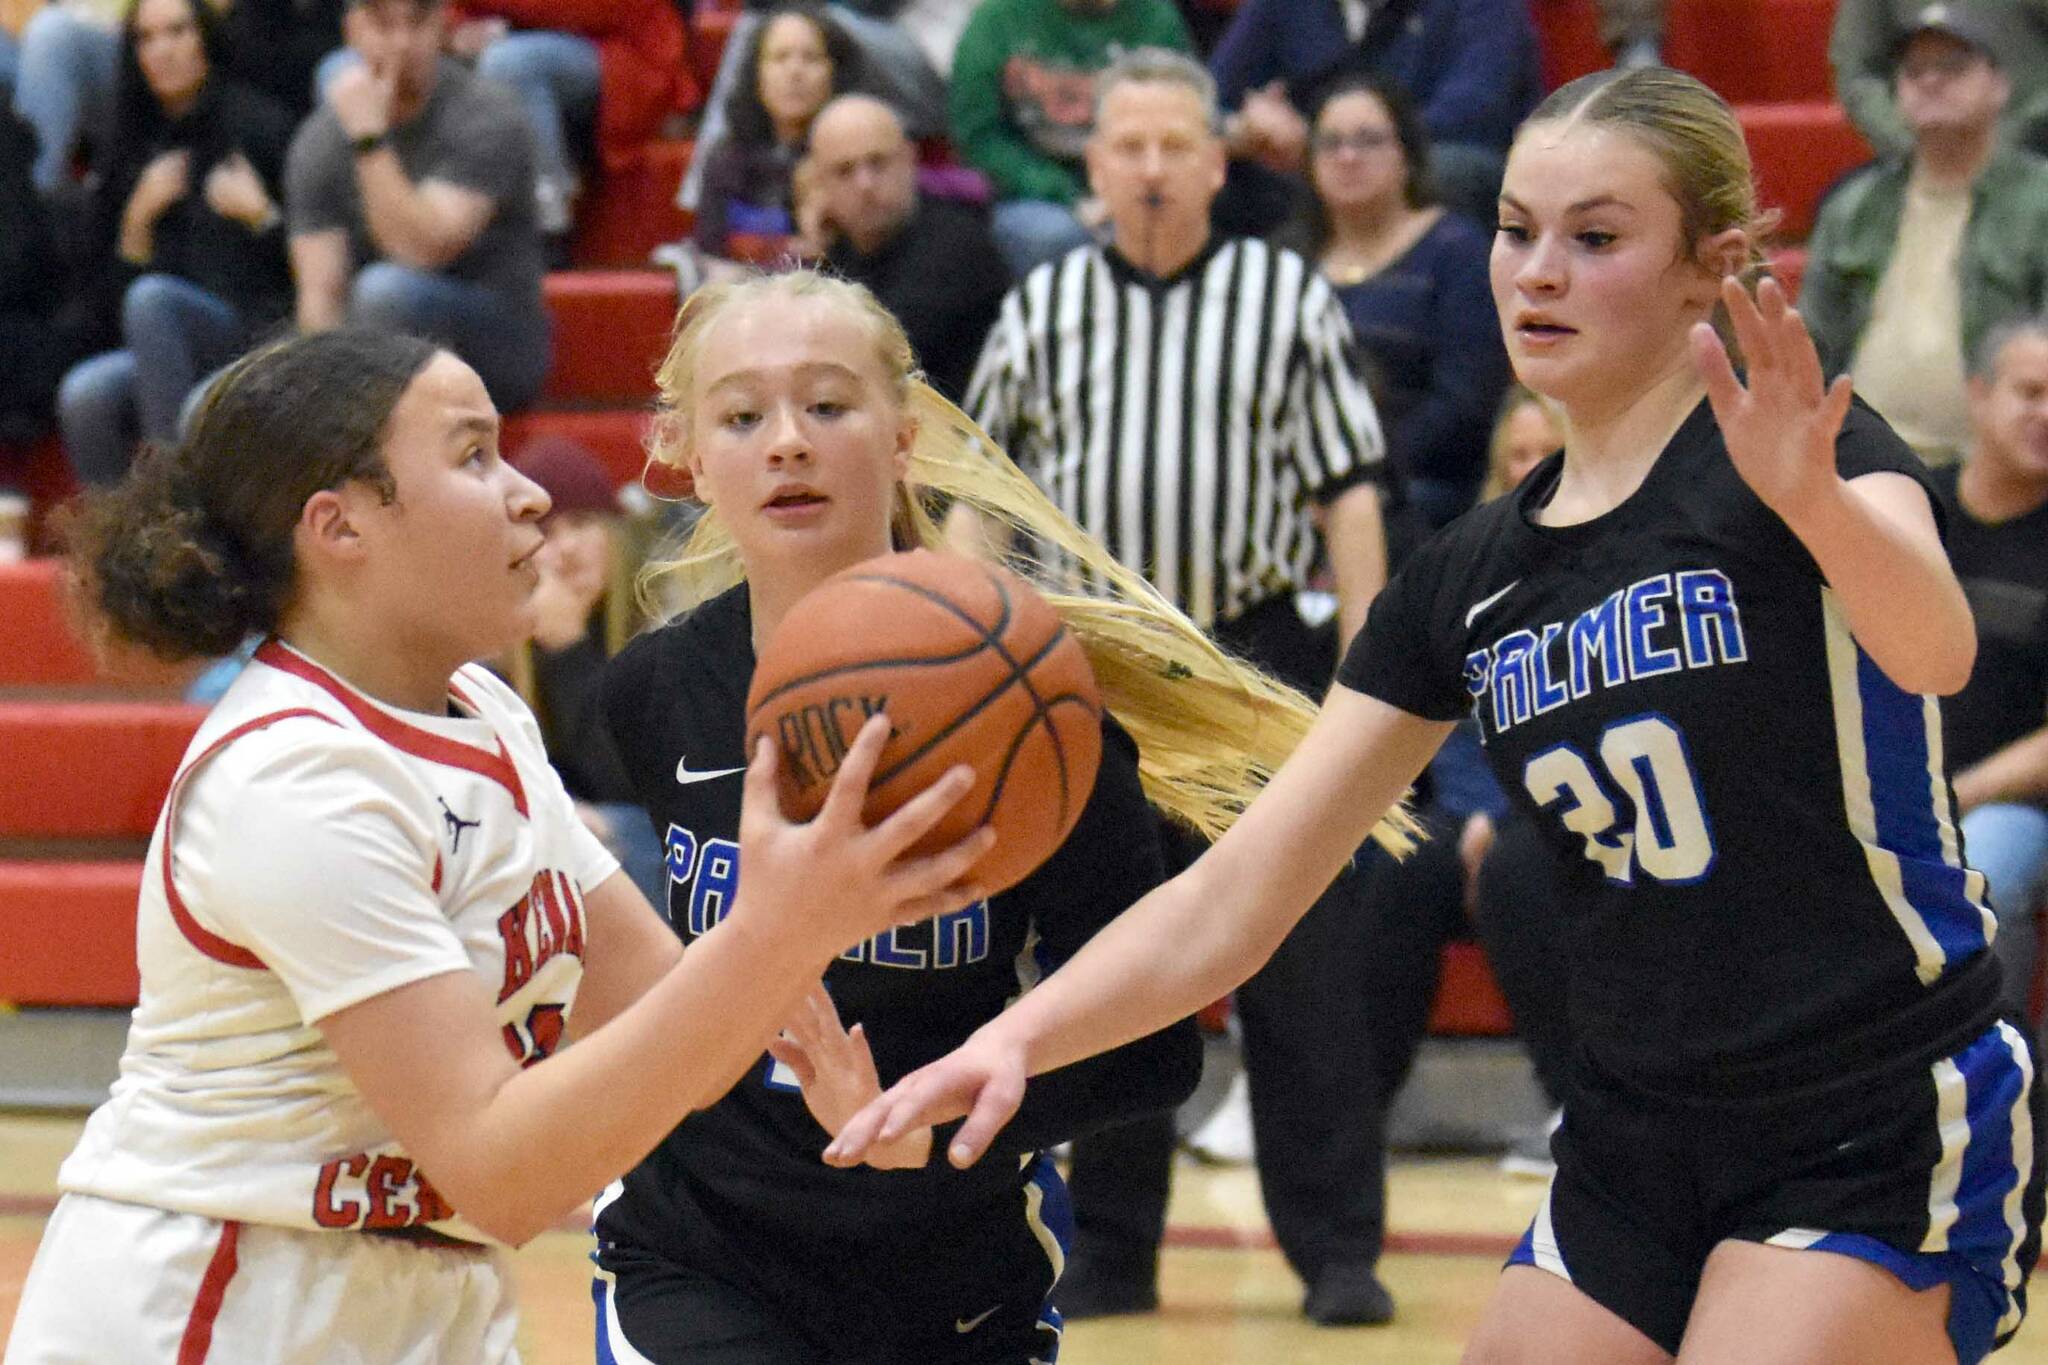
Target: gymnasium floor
(1228,1299)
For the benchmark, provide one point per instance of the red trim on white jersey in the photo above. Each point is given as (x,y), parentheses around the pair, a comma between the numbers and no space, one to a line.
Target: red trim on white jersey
(213,1287)
(410,739)
(200,937)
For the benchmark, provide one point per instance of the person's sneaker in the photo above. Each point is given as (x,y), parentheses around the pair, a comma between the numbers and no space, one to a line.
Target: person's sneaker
(1225,1137)
(1348,1294)
(1528,1154)
(1089,1288)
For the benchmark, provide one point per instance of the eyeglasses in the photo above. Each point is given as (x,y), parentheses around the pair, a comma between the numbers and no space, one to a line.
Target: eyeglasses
(1363,140)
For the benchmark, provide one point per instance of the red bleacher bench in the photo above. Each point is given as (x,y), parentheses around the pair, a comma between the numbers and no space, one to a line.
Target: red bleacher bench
(44,652)
(1800,150)
(610,332)
(89,769)
(1468,999)
(624,216)
(70,933)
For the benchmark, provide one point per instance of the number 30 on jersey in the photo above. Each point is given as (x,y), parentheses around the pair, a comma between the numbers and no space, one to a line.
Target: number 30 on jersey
(1647,768)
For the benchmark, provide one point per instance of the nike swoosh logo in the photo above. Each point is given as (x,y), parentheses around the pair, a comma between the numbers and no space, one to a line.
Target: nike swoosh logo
(685,776)
(965,1325)
(1472,614)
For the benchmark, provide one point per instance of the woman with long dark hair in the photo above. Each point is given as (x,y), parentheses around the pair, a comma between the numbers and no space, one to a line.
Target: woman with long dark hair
(188,234)
(1412,277)
(797,60)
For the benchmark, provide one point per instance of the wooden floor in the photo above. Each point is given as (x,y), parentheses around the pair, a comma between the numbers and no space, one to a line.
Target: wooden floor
(1227,1297)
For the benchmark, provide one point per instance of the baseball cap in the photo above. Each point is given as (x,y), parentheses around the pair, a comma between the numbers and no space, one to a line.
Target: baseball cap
(1955,21)
(574,479)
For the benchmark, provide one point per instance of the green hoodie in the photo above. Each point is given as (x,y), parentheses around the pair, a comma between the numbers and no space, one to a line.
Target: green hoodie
(1023,92)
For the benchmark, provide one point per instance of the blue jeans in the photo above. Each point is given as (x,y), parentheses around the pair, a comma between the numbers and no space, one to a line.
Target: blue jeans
(555,77)
(507,346)
(2008,843)
(1030,232)
(10,62)
(65,89)
(175,333)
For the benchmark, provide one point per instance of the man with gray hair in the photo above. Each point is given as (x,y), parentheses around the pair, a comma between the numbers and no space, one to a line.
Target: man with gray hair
(1192,401)
(1993,734)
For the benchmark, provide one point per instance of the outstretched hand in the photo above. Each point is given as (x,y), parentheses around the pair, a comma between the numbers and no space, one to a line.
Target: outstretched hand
(983,1078)
(832,881)
(1781,427)
(836,1070)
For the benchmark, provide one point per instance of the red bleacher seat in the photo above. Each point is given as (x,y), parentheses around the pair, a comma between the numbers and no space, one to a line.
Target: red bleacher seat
(1468,1000)
(627,215)
(70,933)
(611,329)
(1799,151)
(1748,50)
(89,769)
(710,29)
(1788,264)
(41,649)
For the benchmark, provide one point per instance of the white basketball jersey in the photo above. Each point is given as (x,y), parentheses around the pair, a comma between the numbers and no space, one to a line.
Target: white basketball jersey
(317,849)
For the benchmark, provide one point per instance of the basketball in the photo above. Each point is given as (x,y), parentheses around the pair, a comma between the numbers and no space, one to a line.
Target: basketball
(972,666)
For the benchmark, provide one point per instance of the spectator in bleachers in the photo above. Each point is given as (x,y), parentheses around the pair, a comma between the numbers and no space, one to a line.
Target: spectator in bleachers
(798,59)
(70,50)
(1864,50)
(1992,730)
(1412,278)
(1916,257)
(10,66)
(410,194)
(1023,109)
(583,614)
(903,51)
(930,261)
(1470,66)
(276,45)
(187,238)
(32,354)
(604,70)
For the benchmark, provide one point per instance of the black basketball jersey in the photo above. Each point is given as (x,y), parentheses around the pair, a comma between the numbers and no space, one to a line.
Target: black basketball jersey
(1765,883)
(746,1172)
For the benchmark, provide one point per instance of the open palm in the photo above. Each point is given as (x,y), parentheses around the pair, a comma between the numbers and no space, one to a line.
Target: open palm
(1781,426)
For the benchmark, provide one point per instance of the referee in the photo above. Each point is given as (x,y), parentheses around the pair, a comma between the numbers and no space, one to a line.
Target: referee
(1191,401)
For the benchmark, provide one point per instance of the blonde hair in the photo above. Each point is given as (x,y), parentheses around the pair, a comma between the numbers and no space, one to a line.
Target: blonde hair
(1695,135)
(1516,398)
(1210,728)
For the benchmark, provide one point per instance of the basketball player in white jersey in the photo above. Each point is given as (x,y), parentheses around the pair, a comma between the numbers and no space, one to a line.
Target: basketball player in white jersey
(370,909)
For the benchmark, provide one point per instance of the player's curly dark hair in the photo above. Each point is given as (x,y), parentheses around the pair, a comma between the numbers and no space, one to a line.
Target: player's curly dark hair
(192,551)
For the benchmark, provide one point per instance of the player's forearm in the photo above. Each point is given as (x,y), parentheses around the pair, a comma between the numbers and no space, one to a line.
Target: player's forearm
(405,226)
(555,1134)
(1358,557)
(1902,600)
(1150,1076)
(1204,932)
(2018,772)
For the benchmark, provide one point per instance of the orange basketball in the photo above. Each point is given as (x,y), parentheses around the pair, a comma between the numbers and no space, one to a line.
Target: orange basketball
(971,665)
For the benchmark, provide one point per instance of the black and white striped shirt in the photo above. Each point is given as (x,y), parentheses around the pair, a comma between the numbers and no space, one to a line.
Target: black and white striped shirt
(1185,422)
